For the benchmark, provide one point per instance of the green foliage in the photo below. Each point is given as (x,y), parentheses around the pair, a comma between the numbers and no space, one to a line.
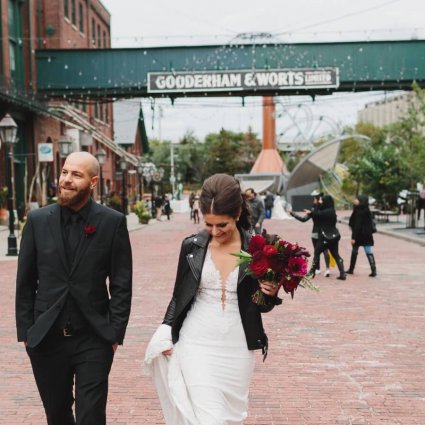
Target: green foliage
(142,212)
(395,158)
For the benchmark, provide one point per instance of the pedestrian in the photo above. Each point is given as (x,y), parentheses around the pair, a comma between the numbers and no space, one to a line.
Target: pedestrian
(166,206)
(195,210)
(268,204)
(158,207)
(191,200)
(329,236)
(315,230)
(69,317)
(421,202)
(257,209)
(362,229)
(211,327)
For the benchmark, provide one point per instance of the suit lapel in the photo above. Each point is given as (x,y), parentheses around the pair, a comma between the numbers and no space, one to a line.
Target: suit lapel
(93,219)
(55,226)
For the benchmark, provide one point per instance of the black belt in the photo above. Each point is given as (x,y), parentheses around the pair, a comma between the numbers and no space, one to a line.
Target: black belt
(69,331)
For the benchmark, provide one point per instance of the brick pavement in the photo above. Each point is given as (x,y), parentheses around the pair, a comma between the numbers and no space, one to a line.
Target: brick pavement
(351,354)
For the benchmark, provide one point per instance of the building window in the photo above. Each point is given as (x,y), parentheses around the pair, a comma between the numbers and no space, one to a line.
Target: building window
(93,32)
(66,8)
(73,13)
(96,110)
(81,17)
(99,37)
(107,113)
(104,39)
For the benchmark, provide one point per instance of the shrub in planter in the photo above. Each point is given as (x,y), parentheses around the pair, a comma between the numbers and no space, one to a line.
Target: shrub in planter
(142,212)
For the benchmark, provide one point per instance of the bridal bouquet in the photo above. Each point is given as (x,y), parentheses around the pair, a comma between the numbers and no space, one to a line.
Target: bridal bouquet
(271,258)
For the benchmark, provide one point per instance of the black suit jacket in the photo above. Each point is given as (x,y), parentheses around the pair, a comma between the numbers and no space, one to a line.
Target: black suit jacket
(189,270)
(44,279)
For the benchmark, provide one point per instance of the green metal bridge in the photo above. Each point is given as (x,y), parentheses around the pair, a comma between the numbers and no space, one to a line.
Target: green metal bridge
(231,70)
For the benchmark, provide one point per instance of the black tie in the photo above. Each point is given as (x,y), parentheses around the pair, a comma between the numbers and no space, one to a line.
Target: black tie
(74,235)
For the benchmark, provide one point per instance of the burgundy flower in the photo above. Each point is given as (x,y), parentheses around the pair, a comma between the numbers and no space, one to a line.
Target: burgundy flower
(259,266)
(290,285)
(89,229)
(256,243)
(297,266)
(269,250)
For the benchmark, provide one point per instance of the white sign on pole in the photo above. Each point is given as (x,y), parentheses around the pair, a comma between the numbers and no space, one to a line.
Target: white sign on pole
(45,152)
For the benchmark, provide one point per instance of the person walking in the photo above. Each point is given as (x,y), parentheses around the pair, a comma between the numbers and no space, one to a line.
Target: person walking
(195,210)
(158,207)
(257,210)
(268,204)
(212,326)
(166,206)
(362,229)
(73,295)
(315,230)
(329,236)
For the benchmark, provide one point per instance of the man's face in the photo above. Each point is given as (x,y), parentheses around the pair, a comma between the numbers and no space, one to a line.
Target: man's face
(249,195)
(75,183)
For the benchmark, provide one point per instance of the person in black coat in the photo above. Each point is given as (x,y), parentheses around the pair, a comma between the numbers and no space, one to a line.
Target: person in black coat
(73,295)
(362,229)
(329,237)
(315,231)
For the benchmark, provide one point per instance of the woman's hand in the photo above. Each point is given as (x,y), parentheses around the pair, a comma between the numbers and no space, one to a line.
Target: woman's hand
(168,352)
(269,288)
(353,242)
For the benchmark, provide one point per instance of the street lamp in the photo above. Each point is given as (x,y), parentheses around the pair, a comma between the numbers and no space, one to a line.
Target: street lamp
(65,147)
(123,167)
(101,159)
(149,169)
(139,170)
(8,130)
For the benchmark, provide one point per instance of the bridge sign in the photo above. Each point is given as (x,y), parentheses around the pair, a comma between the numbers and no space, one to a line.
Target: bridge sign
(241,80)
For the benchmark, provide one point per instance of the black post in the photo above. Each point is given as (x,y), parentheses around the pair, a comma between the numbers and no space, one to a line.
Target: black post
(140,186)
(101,184)
(12,247)
(124,192)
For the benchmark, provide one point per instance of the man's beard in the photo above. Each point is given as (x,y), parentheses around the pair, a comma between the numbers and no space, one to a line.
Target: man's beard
(73,199)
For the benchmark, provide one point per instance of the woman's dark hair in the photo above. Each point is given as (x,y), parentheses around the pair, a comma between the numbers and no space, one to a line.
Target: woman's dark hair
(328,202)
(221,194)
(363,200)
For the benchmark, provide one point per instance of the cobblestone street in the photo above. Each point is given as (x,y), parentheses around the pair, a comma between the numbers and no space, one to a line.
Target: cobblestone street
(352,353)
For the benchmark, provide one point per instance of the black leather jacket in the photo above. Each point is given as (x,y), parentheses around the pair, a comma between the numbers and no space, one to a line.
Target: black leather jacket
(189,270)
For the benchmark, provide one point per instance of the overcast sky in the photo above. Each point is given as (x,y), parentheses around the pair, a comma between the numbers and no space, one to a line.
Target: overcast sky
(147,23)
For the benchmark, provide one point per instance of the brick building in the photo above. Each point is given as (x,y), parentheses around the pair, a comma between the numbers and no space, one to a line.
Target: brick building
(27,25)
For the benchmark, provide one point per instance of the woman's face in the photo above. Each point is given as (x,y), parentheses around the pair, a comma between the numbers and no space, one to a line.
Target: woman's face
(356,202)
(221,227)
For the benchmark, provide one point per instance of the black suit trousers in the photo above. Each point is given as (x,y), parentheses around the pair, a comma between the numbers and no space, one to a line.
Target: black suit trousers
(55,363)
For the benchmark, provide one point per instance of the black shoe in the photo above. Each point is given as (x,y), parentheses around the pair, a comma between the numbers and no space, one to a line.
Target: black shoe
(372,263)
(353,260)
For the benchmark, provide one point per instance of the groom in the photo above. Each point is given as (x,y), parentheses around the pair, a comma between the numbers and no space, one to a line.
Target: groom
(67,314)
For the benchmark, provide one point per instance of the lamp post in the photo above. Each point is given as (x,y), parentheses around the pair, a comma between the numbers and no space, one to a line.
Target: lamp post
(101,159)
(123,167)
(149,169)
(8,130)
(139,170)
(65,147)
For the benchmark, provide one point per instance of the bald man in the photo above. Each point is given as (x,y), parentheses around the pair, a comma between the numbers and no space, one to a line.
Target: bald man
(73,295)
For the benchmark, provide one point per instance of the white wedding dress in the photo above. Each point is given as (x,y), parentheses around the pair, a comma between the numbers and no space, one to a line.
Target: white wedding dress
(206,380)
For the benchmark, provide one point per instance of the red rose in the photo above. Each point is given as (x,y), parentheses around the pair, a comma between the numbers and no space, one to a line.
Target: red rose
(89,229)
(256,243)
(269,250)
(259,266)
(297,266)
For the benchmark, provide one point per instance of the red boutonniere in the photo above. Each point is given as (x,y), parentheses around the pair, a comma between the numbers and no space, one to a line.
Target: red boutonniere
(89,229)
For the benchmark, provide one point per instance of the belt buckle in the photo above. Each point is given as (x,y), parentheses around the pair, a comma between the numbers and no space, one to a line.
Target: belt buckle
(67,332)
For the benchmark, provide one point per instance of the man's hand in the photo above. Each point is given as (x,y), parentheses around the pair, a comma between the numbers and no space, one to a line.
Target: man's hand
(353,242)
(114,347)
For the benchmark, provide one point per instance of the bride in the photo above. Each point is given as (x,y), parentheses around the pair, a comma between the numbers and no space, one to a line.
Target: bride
(202,357)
